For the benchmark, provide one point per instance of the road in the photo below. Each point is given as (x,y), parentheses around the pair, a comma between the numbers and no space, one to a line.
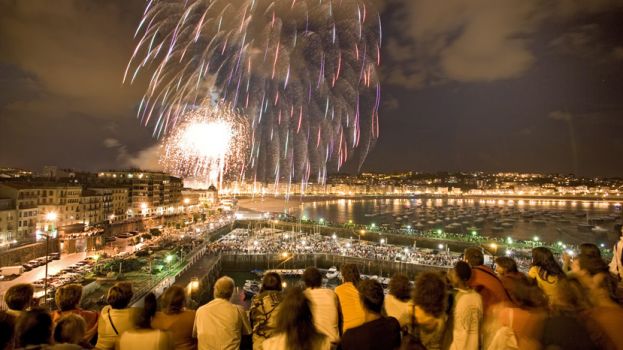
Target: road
(54,266)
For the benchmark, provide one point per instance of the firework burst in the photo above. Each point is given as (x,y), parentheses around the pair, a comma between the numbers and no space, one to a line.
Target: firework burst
(303,72)
(208,146)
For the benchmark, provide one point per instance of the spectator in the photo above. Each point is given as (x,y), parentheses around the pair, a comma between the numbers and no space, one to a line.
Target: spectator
(220,324)
(430,305)
(484,281)
(19,298)
(143,336)
(116,317)
(324,305)
(546,271)
(264,309)
(295,328)
(605,316)
(69,331)
(505,266)
(67,300)
(175,319)
(616,264)
(7,325)
(397,300)
(33,329)
(467,311)
(348,296)
(586,249)
(524,314)
(378,332)
(563,329)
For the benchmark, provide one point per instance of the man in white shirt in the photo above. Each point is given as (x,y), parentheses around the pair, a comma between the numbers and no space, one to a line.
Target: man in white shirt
(468,310)
(219,325)
(616,265)
(324,305)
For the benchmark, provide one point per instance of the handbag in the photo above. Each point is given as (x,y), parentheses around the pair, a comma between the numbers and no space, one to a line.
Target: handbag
(410,335)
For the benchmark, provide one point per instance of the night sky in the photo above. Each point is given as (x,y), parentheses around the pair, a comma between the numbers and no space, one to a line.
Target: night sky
(514,85)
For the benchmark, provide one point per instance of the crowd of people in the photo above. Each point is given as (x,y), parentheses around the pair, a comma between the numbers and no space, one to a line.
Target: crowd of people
(269,241)
(573,305)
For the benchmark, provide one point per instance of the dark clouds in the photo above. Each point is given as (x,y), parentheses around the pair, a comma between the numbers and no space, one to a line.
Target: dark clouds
(61,94)
(530,85)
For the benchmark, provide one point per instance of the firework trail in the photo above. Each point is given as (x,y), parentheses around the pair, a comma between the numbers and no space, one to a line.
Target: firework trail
(303,72)
(209,144)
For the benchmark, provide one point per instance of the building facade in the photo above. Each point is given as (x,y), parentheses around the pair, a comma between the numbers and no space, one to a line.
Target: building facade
(148,193)
(8,222)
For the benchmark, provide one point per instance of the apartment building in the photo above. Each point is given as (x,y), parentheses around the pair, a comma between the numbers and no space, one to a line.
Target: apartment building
(8,222)
(148,192)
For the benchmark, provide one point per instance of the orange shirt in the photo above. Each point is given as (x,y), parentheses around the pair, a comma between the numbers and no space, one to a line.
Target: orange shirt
(350,304)
(90,317)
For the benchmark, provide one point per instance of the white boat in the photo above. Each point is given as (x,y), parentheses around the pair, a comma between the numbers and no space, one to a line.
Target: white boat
(332,273)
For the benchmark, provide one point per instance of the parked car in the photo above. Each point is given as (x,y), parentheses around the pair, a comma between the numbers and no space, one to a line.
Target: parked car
(55,256)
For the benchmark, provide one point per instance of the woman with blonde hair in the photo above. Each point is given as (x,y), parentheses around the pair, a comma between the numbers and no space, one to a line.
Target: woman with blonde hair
(176,319)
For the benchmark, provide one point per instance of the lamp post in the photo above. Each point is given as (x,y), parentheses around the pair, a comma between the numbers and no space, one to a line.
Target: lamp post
(50,218)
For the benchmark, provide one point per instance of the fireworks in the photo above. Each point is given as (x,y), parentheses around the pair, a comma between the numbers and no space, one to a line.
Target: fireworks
(303,73)
(211,143)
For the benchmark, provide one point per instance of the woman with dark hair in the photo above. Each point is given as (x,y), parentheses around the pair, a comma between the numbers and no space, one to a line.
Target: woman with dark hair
(264,309)
(67,300)
(176,319)
(546,271)
(116,317)
(585,249)
(605,317)
(295,328)
(430,300)
(33,329)
(396,302)
(143,336)
(348,296)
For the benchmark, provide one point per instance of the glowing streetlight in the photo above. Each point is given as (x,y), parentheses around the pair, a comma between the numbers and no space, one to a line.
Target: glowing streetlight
(334,236)
(474,233)
(536,238)
(439,231)
(382,240)
(509,240)
(321,221)
(186,201)
(440,246)
(51,216)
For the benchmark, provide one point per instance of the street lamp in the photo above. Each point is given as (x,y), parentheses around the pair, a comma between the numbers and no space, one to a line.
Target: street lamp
(361,233)
(50,218)
(382,241)
(169,259)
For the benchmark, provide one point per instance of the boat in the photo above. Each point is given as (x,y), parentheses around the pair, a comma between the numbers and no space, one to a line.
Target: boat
(332,273)
(251,287)
(585,227)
